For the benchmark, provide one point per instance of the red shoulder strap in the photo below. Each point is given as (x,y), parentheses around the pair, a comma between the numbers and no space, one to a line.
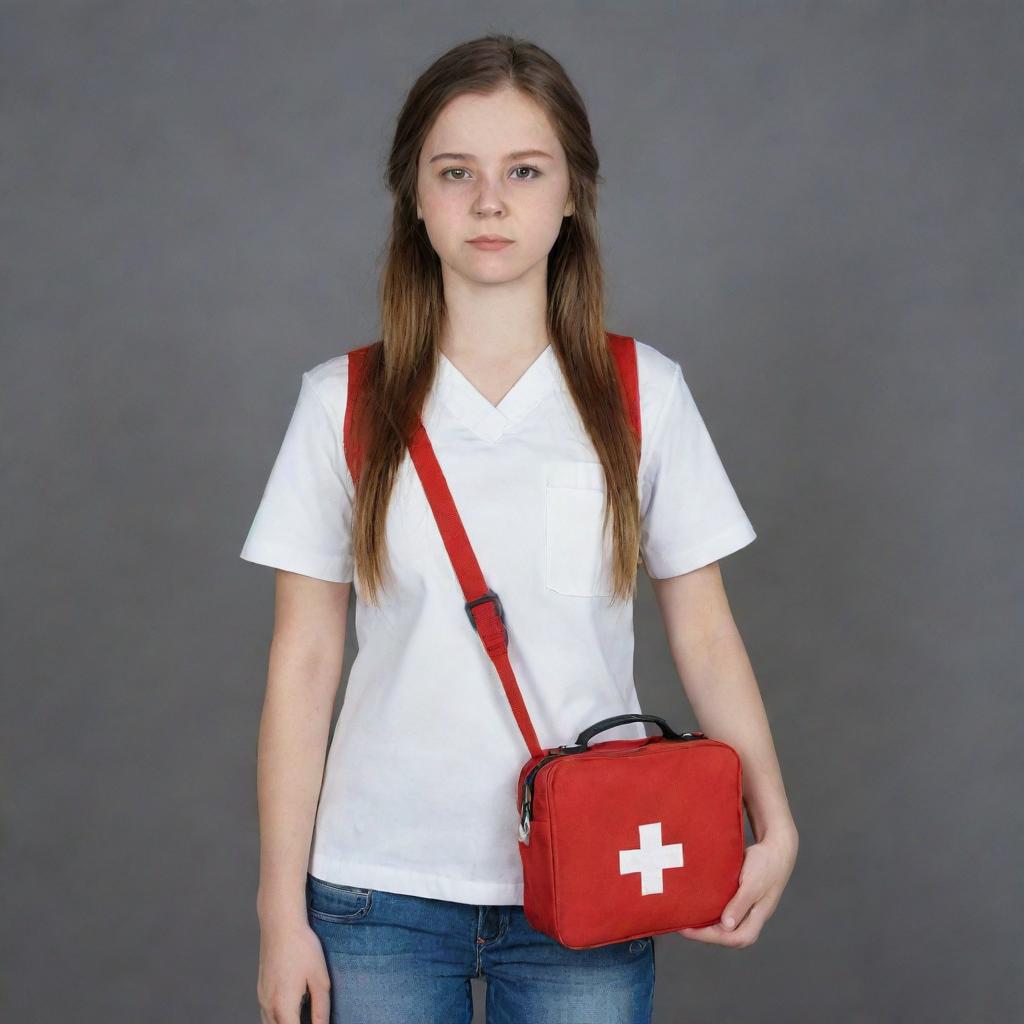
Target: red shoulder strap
(624,350)
(482,605)
(351,442)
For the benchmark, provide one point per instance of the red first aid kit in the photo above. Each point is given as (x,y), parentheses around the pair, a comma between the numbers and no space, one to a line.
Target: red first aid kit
(619,839)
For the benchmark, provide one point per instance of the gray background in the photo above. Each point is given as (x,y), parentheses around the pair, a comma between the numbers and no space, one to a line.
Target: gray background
(816,207)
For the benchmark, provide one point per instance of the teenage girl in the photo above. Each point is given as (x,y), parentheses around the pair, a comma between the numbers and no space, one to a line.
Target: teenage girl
(391,879)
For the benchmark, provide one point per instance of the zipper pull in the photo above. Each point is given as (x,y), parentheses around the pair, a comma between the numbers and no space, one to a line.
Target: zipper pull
(524,820)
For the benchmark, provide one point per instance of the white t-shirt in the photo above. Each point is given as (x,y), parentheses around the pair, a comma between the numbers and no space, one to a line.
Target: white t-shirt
(419,793)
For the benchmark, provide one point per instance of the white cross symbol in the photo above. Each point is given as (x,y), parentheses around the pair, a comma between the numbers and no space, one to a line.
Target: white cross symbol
(651,859)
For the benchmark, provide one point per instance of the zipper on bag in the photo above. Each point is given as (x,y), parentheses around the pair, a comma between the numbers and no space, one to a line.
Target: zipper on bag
(567,750)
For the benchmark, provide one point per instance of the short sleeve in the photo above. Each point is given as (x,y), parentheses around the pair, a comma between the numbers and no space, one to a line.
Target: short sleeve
(690,514)
(303,522)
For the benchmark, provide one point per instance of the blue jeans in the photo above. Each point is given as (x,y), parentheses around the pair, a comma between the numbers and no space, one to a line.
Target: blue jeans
(396,958)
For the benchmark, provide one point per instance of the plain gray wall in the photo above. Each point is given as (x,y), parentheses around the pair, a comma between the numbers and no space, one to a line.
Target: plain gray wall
(816,207)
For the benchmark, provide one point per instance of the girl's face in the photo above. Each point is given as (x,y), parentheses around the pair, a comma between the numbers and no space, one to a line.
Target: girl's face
(492,165)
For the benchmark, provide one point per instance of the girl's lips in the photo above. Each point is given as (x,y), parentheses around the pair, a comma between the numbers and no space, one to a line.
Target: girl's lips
(490,245)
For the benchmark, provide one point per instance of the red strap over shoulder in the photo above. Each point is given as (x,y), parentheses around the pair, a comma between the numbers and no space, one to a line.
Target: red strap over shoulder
(482,605)
(351,443)
(624,350)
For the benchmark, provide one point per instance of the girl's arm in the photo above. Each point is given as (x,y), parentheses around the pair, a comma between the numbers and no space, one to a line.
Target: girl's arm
(719,682)
(306,652)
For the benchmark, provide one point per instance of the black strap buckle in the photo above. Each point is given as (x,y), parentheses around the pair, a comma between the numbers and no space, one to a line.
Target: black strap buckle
(488,595)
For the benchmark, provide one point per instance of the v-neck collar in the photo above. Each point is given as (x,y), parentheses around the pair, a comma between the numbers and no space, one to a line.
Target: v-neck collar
(477,413)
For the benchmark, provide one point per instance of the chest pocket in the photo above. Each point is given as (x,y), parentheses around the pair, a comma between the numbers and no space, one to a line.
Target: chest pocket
(576,553)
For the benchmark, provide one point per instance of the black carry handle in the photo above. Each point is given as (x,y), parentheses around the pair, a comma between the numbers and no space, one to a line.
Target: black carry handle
(584,738)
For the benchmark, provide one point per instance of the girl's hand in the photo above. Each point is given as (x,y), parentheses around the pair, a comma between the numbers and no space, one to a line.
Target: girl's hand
(291,961)
(767,866)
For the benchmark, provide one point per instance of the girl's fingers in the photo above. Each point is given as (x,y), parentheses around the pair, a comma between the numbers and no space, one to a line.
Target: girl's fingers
(320,1011)
(743,934)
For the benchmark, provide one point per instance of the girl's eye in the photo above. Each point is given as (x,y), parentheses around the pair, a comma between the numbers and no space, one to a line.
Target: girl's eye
(462,170)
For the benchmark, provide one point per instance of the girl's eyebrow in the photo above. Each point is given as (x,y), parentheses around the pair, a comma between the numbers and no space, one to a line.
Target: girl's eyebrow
(519,154)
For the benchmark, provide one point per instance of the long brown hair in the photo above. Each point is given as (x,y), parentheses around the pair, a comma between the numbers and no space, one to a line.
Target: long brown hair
(398,370)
